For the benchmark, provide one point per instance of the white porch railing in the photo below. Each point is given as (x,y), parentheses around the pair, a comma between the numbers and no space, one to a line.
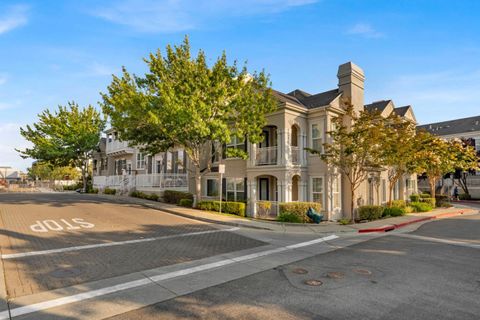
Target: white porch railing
(114,146)
(155,181)
(266,156)
(266,209)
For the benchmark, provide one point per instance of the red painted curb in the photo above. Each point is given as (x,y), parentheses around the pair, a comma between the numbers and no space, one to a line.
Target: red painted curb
(403,224)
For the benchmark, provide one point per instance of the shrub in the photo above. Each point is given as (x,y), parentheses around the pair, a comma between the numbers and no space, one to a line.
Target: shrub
(465,196)
(370,212)
(421,206)
(414,197)
(172,196)
(186,203)
(237,208)
(408,209)
(425,195)
(441,200)
(92,190)
(153,197)
(289,217)
(109,191)
(393,212)
(344,221)
(399,203)
(299,209)
(141,195)
(430,201)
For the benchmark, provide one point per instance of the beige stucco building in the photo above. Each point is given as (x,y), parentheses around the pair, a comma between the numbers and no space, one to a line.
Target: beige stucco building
(278,169)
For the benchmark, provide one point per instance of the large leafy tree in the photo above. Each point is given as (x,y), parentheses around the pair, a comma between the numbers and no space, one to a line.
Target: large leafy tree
(184,102)
(466,161)
(45,171)
(398,150)
(354,148)
(65,137)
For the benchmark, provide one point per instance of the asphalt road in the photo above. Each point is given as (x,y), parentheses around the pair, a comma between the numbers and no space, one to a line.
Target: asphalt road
(431,273)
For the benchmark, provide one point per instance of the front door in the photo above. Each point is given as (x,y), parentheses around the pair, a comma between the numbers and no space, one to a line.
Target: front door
(264,190)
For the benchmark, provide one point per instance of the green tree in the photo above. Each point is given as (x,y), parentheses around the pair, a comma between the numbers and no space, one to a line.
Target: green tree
(398,150)
(65,137)
(354,148)
(183,102)
(466,160)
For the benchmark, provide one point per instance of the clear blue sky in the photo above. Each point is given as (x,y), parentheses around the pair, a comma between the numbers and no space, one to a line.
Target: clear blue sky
(418,52)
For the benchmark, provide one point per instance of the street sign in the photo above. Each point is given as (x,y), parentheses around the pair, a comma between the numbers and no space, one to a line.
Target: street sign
(221,168)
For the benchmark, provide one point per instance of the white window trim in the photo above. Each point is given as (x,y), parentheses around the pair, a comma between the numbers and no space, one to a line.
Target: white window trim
(140,163)
(321,124)
(338,179)
(234,143)
(323,189)
(235,191)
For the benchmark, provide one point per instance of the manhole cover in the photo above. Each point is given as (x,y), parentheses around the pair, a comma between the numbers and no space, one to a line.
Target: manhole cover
(300,271)
(313,282)
(363,272)
(65,273)
(336,275)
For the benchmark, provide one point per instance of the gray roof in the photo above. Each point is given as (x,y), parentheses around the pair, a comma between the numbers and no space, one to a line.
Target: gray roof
(456,126)
(377,105)
(401,111)
(307,100)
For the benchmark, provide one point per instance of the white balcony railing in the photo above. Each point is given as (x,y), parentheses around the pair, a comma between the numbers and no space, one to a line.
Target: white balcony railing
(159,182)
(116,146)
(266,156)
(295,155)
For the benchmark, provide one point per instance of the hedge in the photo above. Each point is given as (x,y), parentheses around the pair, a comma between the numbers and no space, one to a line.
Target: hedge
(172,196)
(370,212)
(231,207)
(141,195)
(421,206)
(415,197)
(441,200)
(425,195)
(289,217)
(109,191)
(299,209)
(465,196)
(398,204)
(394,212)
(186,203)
(430,201)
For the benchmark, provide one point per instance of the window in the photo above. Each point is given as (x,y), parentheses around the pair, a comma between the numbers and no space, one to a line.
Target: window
(169,162)
(235,143)
(212,188)
(180,161)
(235,189)
(317,136)
(317,190)
(336,192)
(140,160)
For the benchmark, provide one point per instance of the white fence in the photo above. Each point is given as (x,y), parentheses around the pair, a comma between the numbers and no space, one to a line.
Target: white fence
(266,156)
(156,182)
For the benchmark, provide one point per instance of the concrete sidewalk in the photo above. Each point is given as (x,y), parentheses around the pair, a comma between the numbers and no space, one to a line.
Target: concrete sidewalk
(381,225)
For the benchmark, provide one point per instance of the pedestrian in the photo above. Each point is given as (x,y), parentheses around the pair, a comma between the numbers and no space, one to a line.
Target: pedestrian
(455,193)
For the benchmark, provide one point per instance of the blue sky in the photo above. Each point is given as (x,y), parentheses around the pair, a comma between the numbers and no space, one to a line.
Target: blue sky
(418,52)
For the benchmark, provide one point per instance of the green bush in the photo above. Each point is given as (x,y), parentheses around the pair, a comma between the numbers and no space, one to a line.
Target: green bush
(414,197)
(237,208)
(109,191)
(344,221)
(393,212)
(441,200)
(299,209)
(421,206)
(186,203)
(425,195)
(465,196)
(399,203)
(172,196)
(430,201)
(92,190)
(408,209)
(370,212)
(142,195)
(289,217)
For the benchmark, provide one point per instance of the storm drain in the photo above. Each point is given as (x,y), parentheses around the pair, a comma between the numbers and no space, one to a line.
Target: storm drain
(313,282)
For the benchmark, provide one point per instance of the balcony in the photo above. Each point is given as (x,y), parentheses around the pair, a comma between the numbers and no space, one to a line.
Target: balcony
(295,156)
(117,147)
(266,156)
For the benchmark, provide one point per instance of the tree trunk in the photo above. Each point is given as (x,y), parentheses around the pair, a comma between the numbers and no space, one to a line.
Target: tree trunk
(352,204)
(463,183)
(84,178)
(198,186)
(432,181)
(390,193)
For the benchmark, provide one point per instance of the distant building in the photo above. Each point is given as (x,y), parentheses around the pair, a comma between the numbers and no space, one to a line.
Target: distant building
(10,174)
(467,129)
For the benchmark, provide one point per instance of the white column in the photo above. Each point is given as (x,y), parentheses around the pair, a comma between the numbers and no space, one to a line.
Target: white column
(252,195)
(280,147)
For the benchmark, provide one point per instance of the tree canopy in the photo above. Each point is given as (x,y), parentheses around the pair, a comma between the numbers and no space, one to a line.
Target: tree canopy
(182,101)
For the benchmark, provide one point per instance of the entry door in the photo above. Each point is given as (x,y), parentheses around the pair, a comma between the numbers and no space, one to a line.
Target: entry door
(264,190)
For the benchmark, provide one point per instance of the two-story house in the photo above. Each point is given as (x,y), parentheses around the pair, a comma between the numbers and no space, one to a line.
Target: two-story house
(278,169)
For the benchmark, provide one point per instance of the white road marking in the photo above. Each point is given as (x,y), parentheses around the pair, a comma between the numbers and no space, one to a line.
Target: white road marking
(141,282)
(45,225)
(452,242)
(110,244)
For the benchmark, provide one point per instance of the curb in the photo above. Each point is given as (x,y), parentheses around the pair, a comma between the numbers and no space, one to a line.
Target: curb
(392,227)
